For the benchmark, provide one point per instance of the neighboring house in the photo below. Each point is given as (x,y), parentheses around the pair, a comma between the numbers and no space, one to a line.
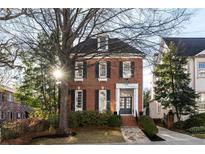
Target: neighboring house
(194,50)
(108,82)
(9,110)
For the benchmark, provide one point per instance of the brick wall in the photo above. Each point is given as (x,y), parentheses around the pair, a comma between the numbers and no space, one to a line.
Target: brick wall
(91,83)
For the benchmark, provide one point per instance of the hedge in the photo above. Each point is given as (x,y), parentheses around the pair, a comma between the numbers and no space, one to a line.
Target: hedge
(93,118)
(148,125)
(196,130)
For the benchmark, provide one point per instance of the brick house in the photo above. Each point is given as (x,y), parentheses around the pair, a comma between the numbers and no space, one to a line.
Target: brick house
(9,109)
(108,82)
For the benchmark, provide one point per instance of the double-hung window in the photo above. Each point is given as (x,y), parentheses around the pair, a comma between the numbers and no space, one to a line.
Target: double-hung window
(78,100)
(201,70)
(103,43)
(102,100)
(78,70)
(127,73)
(103,70)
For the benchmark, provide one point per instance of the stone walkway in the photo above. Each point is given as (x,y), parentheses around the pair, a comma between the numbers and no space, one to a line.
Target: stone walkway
(134,135)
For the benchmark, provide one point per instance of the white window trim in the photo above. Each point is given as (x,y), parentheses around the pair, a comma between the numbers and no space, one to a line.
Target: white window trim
(100,103)
(98,40)
(102,78)
(78,78)
(76,100)
(123,65)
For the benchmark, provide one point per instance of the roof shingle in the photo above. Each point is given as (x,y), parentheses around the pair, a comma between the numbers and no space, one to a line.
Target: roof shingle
(187,46)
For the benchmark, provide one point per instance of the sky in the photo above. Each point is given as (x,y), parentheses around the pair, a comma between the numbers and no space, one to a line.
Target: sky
(194,28)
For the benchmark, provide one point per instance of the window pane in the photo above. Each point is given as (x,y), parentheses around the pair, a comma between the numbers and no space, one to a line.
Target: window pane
(102,100)
(79,100)
(127,69)
(102,69)
(122,103)
(102,43)
(201,69)
(79,70)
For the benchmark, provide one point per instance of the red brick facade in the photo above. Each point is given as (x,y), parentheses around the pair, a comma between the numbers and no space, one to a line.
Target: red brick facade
(91,83)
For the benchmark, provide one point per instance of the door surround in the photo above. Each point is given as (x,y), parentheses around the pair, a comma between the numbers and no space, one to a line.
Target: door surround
(135,99)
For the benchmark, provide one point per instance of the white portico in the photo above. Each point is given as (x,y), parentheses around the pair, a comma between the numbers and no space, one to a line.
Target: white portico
(127,98)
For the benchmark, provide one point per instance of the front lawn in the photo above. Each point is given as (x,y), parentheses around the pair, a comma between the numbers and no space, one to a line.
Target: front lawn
(86,136)
(202,136)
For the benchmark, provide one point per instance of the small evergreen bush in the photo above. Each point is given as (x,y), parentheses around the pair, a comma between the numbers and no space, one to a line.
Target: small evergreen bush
(148,125)
(195,121)
(197,130)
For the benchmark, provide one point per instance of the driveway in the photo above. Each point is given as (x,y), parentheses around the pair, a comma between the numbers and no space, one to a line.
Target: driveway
(175,138)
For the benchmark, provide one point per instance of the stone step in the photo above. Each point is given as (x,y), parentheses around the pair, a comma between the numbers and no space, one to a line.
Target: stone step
(128,121)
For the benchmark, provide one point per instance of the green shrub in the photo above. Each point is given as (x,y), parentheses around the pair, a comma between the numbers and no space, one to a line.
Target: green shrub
(196,130)
(114,121)
(179,125)
(92,118)
(148,125)
(195,121)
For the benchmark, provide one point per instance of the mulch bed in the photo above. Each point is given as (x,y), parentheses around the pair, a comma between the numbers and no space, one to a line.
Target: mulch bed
(154,138)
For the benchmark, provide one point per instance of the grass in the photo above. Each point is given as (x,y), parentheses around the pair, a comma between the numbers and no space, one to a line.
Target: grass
(202,136)
(86,136)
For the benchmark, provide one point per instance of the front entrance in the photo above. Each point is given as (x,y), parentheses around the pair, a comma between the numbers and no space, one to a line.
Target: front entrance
(125,105)
(127,99)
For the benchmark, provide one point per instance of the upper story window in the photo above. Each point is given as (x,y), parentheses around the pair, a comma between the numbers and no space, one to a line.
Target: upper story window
(78,70)
(103,42)
(10,97)
(127,73)
(103,70)
(201,70)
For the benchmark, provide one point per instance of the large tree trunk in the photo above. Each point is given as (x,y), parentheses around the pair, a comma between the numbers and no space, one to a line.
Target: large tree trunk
(65,106)
(63,119)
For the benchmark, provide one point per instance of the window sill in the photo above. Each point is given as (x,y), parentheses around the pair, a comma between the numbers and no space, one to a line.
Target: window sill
(76,79)
(102,79)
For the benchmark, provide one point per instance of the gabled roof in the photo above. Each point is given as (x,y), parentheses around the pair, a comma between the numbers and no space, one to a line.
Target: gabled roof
(115,45)
(187,46)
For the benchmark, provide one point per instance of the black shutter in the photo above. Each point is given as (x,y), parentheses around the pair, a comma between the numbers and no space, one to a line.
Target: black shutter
(97,100)
(132,69)
(72,93)
(108,69)
(108,100)
(84,69)
(120,69)
(84,100)
(97,70)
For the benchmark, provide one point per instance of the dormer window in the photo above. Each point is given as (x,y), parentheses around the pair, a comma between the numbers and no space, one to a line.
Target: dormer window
(103,42)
